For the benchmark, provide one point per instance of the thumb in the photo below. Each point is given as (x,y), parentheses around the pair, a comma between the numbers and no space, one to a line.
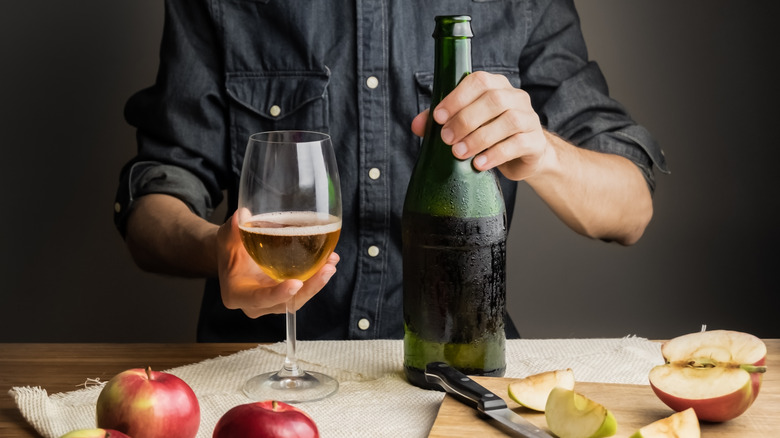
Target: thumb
(419,122)
(228,233)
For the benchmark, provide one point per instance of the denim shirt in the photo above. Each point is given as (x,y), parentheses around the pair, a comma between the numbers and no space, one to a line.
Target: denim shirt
(359,70)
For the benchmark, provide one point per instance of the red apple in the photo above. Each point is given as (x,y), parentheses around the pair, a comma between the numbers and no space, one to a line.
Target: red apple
(94,433)
(265,419)
(717,373)
(148,404)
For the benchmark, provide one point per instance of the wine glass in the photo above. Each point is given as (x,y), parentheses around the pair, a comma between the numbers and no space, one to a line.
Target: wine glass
(289,207)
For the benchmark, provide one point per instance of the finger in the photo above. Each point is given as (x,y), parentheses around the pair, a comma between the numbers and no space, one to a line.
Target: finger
(314,285)
(419,122)
(258,301)
(263,301)
(243,214)
(468,90)
(518,156)
(488,107)
(490,133)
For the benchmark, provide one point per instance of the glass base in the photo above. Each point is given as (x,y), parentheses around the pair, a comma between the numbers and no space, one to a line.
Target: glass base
(309,386)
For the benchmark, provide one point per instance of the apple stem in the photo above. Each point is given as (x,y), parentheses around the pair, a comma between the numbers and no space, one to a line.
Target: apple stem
(149,372)
(274,405)
(702,363)
(753,368)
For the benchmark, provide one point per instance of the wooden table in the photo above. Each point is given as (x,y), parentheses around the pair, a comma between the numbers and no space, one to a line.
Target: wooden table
(65,367)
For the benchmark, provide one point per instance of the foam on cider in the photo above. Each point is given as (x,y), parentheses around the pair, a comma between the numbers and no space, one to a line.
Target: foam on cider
(292,223)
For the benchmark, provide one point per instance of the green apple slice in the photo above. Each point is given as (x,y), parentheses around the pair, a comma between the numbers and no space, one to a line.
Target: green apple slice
(572,415)
(532,391)
(683,424)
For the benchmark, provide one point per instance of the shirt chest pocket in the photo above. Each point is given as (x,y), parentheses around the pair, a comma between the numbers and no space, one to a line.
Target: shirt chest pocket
(274,102)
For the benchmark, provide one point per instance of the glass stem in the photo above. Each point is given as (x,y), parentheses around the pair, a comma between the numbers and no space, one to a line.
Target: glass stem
(291,360)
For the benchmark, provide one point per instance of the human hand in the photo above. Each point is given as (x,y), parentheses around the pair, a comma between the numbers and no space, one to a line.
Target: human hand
(485,117)
(245,286)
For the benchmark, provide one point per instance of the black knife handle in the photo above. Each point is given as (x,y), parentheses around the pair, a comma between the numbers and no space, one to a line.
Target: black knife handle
(462,387)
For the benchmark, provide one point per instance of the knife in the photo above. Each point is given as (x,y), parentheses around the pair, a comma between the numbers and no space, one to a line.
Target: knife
(477,396)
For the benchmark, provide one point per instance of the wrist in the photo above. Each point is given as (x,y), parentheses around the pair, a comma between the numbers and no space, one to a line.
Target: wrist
(549,165)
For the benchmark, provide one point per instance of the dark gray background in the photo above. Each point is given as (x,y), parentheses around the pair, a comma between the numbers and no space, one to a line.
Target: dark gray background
(696,73)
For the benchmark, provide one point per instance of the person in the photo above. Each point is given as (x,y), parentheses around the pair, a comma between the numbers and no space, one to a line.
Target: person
(535,108)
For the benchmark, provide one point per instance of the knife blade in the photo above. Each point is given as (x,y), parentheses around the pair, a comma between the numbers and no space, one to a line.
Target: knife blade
(475,395)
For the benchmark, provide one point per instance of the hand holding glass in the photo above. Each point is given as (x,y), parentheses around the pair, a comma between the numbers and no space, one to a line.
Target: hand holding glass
(289,208)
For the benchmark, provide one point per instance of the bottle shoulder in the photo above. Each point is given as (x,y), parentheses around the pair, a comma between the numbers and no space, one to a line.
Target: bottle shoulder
(454,190)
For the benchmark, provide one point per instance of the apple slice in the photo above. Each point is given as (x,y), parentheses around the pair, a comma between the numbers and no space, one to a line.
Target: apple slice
(532,391)
(680,425)
(572,415)
(717,373)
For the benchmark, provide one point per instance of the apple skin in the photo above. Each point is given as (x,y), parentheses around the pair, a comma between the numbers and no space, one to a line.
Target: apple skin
(148,404)
(570,414)
(94,433)
(265,419)
(683,424)
(722,351)
(533,391)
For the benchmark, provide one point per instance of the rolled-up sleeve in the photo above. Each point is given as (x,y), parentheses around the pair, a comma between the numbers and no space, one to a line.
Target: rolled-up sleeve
(147,177)
(180,121)
(570,94)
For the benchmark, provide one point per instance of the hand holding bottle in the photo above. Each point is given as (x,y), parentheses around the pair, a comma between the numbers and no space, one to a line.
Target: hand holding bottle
(454,240)
(485,117)
(598,195)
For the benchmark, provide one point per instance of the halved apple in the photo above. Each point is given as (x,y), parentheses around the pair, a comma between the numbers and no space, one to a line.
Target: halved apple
(572,415)
(532,391)
(718,373)
(683,424)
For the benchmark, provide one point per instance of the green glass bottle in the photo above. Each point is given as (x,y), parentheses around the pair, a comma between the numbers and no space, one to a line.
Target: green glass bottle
(454,241)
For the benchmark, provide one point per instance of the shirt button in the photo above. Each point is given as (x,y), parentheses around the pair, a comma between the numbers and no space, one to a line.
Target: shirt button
(374,173)
(275,110)
(372,82)
(117,207)
(373,250)
(363,324)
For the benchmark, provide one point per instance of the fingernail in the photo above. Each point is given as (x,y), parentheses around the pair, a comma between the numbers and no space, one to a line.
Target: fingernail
(480,161)
(446,135)
(459,149)
(441,116)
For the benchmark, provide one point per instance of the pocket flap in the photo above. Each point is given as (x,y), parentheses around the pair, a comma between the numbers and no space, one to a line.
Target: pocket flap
(277,95)
(424,79)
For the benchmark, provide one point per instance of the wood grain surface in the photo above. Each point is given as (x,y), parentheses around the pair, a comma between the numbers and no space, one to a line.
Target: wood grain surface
(63,367)
(633,405)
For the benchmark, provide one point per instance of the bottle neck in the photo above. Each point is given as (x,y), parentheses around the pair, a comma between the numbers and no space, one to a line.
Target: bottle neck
(451,64)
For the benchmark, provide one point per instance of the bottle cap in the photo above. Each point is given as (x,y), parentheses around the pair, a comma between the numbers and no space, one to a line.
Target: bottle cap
(457,26)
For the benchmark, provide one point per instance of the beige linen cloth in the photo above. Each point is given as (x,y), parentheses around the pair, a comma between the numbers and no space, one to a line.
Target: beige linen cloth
(373,399)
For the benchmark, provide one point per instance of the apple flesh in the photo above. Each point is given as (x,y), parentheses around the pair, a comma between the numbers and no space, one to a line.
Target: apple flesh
(717,373)
(532,391)
(94,433)
(572,415)
(148,404)
(683,424)
(265,419)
